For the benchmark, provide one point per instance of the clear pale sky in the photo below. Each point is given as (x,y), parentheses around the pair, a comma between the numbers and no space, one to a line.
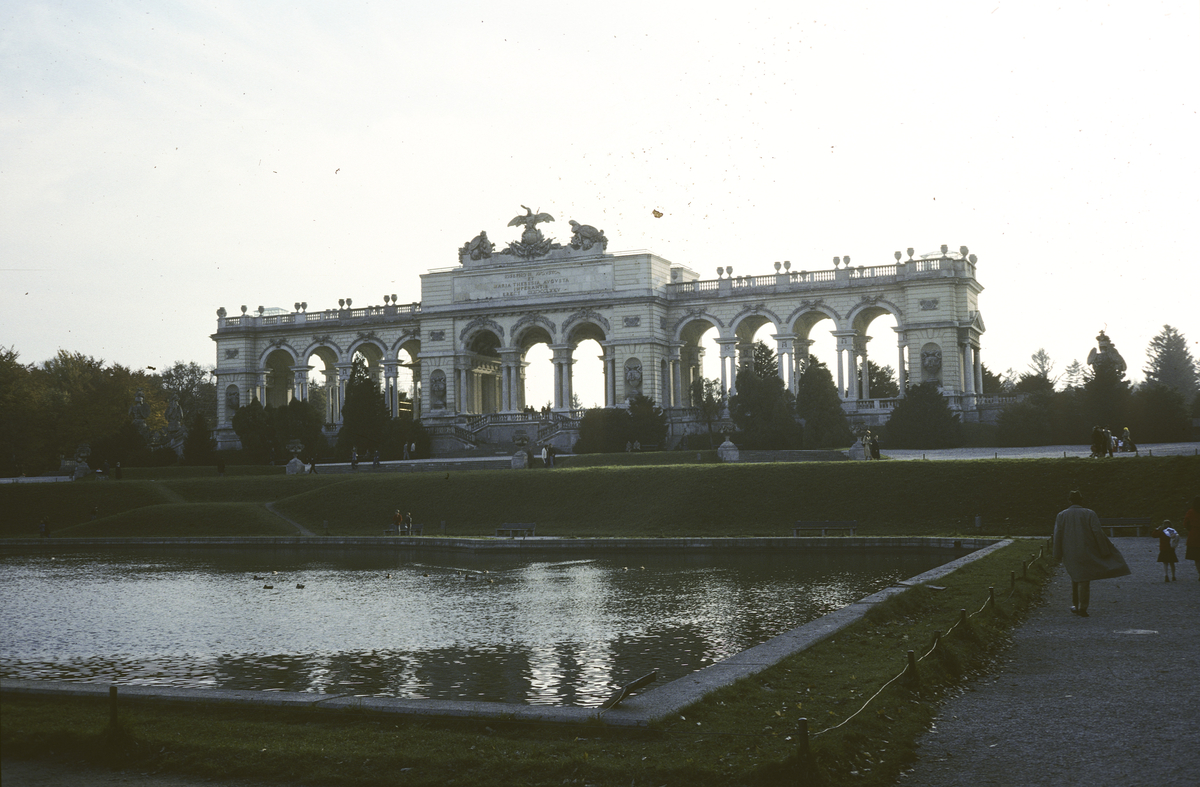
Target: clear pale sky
(160,159)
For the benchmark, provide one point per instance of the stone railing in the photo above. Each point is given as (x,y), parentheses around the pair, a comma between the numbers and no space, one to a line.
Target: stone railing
(399,312)
(789,281)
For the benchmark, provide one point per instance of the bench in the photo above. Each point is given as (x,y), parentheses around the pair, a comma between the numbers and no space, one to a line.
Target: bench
(515,530)
(1140,526)
(824,527)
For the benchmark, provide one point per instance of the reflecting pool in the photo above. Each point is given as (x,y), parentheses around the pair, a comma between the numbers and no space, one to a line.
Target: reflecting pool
(535,629)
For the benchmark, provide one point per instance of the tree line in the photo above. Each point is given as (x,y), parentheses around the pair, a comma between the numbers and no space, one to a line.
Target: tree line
(49,410)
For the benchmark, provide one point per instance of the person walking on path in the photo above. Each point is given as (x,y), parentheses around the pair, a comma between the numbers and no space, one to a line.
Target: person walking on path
(1191,523)
(1168,539)
(1085,551)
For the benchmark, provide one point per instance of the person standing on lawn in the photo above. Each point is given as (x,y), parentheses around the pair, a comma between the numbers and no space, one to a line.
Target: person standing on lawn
(1168,539)
(1085,551)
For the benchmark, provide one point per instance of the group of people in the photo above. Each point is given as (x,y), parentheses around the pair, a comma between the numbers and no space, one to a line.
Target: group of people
(1087,554)
(402,521)
(1105,443)
(548,453)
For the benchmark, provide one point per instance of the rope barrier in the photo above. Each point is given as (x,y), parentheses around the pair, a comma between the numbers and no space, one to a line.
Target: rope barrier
(910,670)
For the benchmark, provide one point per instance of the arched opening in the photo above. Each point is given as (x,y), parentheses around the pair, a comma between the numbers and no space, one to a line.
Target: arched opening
(537,372)
(482,379)
(322,383)
(405,394)
(881,361)
(279,379)
(814,336)
(586,373)
(699,358)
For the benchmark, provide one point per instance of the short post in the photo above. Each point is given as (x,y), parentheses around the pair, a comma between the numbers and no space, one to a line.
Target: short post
(1012,580)
(991,597)
(962,616)
(112,706)
(802,750)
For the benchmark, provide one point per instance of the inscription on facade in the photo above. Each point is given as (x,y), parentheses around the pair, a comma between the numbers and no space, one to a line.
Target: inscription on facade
(534,282)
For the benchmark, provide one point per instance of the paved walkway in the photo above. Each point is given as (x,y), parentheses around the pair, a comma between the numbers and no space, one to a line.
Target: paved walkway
(1111,699)
(1039,452)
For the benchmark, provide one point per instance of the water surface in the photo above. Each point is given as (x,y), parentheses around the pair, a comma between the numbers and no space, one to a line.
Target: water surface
(553,630)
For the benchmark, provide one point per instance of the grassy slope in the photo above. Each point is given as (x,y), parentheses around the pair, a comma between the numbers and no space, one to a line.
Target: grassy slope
(744,734)
(1014,497)
(179,520)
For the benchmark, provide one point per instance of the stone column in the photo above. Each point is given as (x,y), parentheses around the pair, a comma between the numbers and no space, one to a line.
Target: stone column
(728,365)
(300,382)
(610,376)
(510,380)
(343,377)
(864,390)
(978,372)
(968,369)
(561,355)
(901,366)
(785,348)
(391,391)
(845,353)
(675,362)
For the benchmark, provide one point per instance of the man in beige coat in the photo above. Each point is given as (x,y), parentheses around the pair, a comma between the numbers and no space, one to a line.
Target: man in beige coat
(1085,551)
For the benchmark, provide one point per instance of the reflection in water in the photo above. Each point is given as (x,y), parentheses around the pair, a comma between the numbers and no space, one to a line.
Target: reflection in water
(414,624)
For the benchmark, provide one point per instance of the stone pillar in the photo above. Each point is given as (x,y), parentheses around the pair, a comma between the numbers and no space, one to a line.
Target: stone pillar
(610,377)
(728,365)
(675,362)
(300,382)
(561,355)
(968,369)
(978,372)
(391,391)
(785,348)
(343,377)
(845,350)
(864,390)
(901,366)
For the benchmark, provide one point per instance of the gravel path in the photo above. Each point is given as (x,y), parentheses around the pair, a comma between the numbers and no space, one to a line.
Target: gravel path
(1111,699)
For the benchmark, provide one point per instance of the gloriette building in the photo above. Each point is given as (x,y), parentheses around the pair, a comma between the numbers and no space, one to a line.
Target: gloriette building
(466,339)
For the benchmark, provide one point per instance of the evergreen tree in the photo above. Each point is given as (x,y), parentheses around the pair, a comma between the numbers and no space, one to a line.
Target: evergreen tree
(1171,363)
(923,419)
(820,407)
(647,423)
(603,430)
(1042,366)
(199,446)
(300,421)
(992,384)
(1159,415)
(762,408)
(709,399)
(1106,398)
(1075,375)
(253,426)
(364,415)
(881,381)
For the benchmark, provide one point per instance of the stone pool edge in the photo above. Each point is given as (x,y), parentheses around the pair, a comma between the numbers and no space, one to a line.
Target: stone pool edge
(637,711)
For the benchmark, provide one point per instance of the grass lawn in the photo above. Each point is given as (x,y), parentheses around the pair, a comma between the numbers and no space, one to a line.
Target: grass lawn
(744,734)
(1014,497)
